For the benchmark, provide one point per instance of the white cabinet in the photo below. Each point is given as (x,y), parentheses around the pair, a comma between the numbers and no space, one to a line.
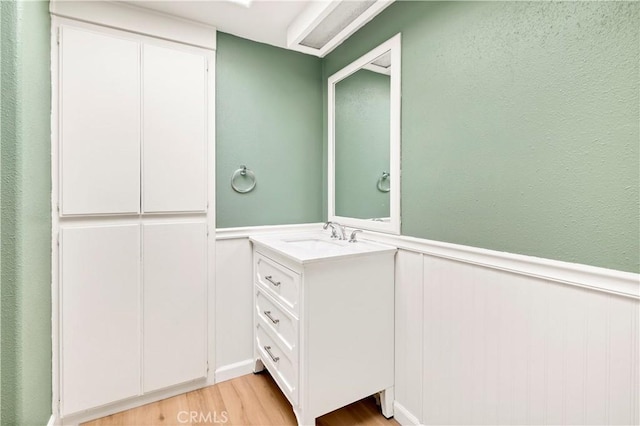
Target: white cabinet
(174,136)
(100,315)
(175,303)
(131,109)
(131,158)
(99,123)
(324,329)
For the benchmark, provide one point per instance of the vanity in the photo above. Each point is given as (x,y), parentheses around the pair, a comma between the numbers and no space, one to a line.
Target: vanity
(323,320)
(323,304)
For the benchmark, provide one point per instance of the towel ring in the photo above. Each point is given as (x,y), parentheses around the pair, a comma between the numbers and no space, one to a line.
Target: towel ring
(245,174)
(384,179)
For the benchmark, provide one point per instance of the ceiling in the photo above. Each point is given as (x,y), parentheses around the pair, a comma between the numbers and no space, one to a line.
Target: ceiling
(265,21)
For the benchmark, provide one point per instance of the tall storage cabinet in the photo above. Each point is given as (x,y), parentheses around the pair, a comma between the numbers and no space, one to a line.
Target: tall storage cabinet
(100,315)
(174,118)
(133,210)
(99,123)
(174,326)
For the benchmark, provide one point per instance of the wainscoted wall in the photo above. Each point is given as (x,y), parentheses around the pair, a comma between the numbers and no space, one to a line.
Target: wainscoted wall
(479,345)
(482,337)
(234,308)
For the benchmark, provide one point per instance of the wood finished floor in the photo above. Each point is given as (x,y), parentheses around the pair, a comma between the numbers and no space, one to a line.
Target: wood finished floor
(253,399)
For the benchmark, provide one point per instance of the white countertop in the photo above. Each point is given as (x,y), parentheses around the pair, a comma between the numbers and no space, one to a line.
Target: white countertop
(317,246)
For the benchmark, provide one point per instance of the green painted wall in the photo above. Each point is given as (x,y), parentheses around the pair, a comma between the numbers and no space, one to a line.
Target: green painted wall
(268,117)
(520,125)
(25,217)
(362,114)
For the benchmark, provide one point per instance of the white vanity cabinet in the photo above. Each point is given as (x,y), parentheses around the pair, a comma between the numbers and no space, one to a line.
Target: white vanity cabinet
(323,326)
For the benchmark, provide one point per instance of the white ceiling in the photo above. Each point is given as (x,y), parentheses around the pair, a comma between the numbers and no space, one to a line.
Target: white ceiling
(265,21)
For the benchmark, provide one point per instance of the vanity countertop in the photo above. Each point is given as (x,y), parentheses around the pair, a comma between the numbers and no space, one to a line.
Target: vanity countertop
(317,246)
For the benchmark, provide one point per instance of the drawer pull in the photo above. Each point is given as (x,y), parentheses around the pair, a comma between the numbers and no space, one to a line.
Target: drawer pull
(270,279)
(268,315)
(274,358)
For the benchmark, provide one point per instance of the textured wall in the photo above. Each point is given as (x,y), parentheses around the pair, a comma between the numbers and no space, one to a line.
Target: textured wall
(362,114)
(25,217)
(268,117)
(519,125)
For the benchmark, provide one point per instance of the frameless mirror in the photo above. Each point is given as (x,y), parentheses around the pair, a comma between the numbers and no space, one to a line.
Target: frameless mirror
(364,141)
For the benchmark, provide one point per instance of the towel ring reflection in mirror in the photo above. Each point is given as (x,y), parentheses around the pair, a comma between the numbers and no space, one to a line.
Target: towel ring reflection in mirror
(240,176)
(384,184)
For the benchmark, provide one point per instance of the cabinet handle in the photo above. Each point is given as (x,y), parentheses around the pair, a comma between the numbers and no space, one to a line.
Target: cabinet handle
(273,320)
(270,279)
(274,358)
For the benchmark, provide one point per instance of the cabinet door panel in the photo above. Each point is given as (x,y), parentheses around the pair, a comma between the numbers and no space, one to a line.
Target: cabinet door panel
(174,138)
(100,315)
(175,303)
(99,124)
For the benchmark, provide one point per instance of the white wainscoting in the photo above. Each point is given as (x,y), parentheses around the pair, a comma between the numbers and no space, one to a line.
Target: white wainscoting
(479,343)
(482,337)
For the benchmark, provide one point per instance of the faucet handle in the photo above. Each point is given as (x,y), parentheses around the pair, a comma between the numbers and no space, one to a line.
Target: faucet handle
(352,239)
(334,233)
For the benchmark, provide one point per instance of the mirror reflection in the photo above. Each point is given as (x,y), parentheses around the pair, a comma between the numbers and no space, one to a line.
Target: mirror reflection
(362,142)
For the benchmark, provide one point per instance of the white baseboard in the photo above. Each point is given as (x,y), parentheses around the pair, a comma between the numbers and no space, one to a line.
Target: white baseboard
(52,421)
(403,416)
(231,371)
(134,402)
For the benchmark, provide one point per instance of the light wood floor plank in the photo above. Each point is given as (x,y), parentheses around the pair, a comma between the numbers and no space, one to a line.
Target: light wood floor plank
(251,400)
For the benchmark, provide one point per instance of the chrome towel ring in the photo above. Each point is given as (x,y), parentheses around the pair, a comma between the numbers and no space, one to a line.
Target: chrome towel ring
(384,184)
(246,178)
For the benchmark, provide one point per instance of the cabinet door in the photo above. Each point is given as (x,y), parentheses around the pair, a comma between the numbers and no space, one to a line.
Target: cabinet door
(174,137)
(175,303)
(99,124)
(100,315)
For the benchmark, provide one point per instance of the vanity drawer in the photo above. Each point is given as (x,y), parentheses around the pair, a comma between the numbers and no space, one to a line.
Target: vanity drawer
(282,366)
(282,324)
(279,280)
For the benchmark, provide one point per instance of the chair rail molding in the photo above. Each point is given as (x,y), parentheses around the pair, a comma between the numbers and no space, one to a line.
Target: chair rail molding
(592,277)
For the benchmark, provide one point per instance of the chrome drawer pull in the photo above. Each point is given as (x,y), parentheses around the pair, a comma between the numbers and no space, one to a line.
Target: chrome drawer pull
(270,279)
(273,320)
(274,358)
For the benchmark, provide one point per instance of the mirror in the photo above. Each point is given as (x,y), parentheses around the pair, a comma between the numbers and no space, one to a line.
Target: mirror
(364,141)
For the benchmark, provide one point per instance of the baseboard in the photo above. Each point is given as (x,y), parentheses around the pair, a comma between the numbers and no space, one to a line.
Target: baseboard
(52,421)
(403,416)
(231,371)
(134,402)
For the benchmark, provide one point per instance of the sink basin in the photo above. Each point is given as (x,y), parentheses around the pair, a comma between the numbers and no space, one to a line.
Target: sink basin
(313,244)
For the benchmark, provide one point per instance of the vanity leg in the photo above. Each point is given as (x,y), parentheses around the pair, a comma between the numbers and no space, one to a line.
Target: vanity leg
(258,366)
(303,419)
(386,402)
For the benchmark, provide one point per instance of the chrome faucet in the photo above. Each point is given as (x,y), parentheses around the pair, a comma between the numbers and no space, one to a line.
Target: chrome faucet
(352,239)
(335,226)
